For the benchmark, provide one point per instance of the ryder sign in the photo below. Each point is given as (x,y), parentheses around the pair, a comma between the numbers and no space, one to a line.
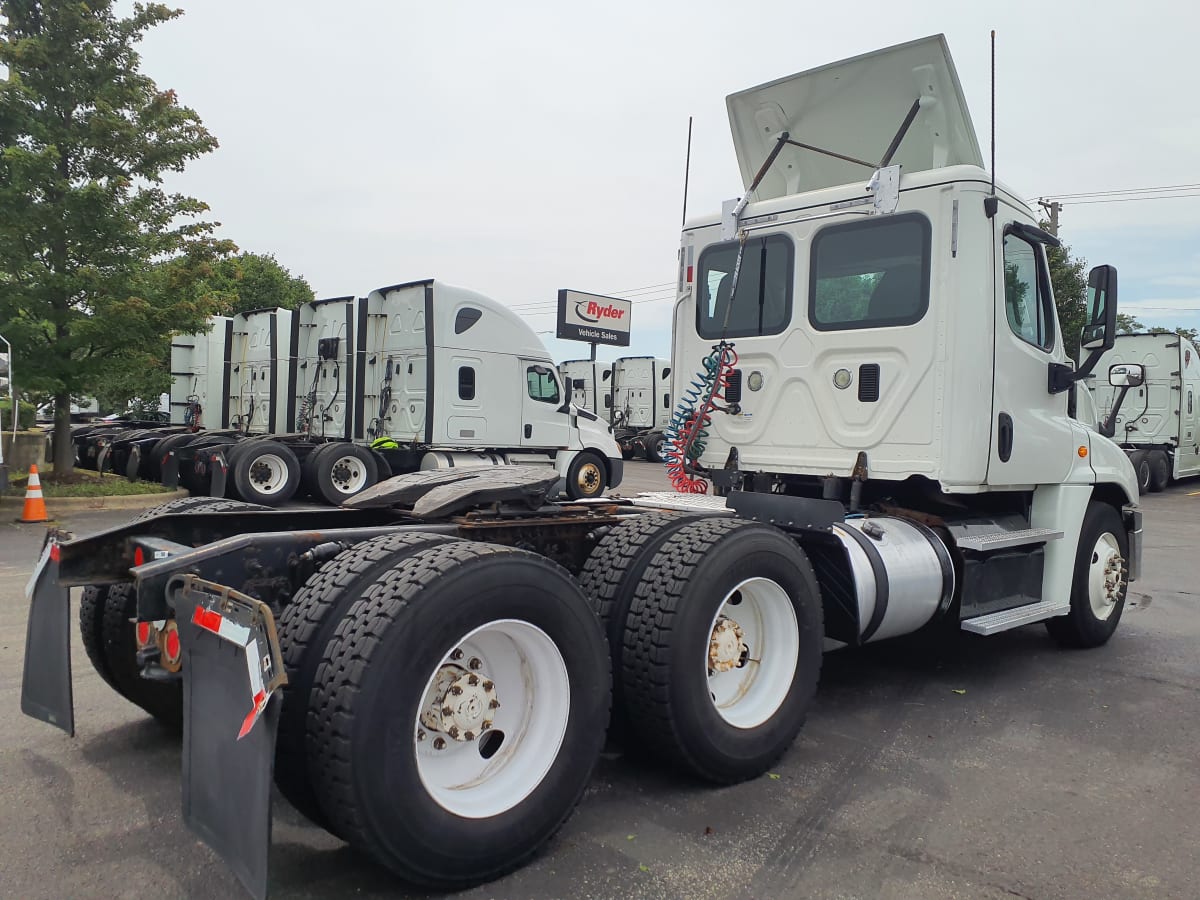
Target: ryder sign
(593,318)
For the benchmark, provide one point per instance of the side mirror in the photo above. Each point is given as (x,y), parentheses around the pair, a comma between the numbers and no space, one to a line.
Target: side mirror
(1126,375)
(1100,328)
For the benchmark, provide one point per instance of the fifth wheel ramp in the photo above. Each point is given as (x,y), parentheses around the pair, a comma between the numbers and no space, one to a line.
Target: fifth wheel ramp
(436,494)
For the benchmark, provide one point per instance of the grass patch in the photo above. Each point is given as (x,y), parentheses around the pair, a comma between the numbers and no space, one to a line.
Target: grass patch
(85,483)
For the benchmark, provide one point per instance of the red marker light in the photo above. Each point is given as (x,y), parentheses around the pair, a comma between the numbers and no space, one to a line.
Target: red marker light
(143,633)
(689,275)
(172,646)
(139,556)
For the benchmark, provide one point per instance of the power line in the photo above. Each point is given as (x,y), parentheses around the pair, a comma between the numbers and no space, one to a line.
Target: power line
(1146,190)
(1130,199)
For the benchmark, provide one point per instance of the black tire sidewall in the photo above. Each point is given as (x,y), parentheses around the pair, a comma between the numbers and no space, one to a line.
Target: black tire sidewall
(323,471)
(1160,471)
(394,799)
(1081,627)
(247,456)
(724,751)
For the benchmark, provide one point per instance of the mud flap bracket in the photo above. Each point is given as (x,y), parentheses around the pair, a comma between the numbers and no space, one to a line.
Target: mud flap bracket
(232,671)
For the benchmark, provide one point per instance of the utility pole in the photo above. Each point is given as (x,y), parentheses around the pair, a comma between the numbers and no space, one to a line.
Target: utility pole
(1053,208)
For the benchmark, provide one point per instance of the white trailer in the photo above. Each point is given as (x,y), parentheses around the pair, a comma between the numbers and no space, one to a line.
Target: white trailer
(882,400)
(642,405)
(1157,422)
(590,384)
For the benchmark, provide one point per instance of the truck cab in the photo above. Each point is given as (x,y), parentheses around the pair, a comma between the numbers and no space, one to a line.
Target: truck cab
(873,321)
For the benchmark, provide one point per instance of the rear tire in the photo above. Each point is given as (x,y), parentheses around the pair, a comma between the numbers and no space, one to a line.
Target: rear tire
(586,478)
(1099,585)
(739,599)
(611,576)
(265,472)
(337,471)
(1160,471)
(91,629)
(444,815)
(654,444)
(1141,465)
(161,699)
(306,626)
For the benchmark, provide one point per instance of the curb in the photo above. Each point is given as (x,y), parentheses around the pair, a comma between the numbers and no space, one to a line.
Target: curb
(59,505)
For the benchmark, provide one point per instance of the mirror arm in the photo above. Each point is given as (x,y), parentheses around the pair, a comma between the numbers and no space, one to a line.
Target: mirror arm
(1109,426)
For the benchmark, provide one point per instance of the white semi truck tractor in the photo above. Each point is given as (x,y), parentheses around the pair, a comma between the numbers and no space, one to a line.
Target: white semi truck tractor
(1156,421)
(881,411)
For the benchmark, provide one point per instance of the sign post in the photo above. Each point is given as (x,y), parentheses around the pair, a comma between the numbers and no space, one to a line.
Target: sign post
(593,318)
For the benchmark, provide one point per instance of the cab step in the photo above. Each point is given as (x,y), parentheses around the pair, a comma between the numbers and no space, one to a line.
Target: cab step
(993,623)
(1002,540)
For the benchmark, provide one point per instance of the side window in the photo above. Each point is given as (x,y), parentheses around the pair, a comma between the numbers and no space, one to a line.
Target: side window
(870,274)
(542,384)
(1026,293)
(466,383)
(763,303)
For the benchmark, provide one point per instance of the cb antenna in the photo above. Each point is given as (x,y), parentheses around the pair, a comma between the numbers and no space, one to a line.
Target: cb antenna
(687,169)
(990,203)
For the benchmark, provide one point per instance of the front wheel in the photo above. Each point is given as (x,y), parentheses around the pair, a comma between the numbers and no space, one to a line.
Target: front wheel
(458,712)
(1099,586)
(586,476)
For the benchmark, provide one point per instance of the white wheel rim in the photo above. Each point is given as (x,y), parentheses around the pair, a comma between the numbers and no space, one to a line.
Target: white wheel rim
(533,690)
(748,694)
(268,474)
(348,474)
(1106,576)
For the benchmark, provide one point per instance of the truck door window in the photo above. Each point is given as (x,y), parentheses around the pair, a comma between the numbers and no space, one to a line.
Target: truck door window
(542,384)
(870,274)
(1026,293)
(763,304)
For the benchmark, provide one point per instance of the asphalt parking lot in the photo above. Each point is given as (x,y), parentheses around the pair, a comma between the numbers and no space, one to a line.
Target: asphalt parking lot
(992,767)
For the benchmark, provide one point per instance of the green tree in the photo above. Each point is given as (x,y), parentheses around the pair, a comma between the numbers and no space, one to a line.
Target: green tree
(85,139)
(252,281)
(1069,279)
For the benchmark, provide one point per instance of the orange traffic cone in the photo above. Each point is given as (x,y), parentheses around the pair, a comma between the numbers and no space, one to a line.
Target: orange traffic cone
(35,506)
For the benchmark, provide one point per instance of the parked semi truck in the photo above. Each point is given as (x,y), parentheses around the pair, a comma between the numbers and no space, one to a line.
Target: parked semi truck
(590,385)
(880,408)
(642,404)
(340,393)
(1158,421)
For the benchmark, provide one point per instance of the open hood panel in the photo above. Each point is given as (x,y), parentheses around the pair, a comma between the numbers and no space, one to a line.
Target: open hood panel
(855,108)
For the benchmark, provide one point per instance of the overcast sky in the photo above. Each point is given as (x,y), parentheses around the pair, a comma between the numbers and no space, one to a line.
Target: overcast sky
(522,147)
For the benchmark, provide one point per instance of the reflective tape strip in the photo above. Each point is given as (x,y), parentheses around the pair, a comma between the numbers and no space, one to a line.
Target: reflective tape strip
(211,620)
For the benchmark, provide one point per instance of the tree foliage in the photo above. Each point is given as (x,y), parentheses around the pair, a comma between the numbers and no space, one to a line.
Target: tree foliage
(247,281)
(85,140)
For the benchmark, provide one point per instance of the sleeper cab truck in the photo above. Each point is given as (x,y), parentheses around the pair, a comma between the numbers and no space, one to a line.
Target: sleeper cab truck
(590,385)
(1148,396)
(428,671)
(642,405)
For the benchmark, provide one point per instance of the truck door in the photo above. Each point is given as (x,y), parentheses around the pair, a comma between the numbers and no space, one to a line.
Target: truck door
(1032,440)
(545,420)
(1188,461)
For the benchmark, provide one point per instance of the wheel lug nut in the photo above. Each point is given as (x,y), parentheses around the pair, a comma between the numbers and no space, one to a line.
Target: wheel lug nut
(447,710)
(456,690)
(420,734)
(453,731)
(469,735)
(487,723)
(456,654)
(494,704)
(472,680)
(488,685)
(439,743)
(475,663)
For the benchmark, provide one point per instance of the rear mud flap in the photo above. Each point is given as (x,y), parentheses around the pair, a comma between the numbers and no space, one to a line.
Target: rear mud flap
(134,464)
(170,470)
(232,670)
(46,681)
(218,472)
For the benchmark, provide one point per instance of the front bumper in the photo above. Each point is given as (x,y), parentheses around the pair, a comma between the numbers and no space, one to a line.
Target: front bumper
(616,471)
(1132,516)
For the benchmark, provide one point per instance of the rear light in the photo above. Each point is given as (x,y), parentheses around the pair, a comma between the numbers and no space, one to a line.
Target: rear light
(139,556)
